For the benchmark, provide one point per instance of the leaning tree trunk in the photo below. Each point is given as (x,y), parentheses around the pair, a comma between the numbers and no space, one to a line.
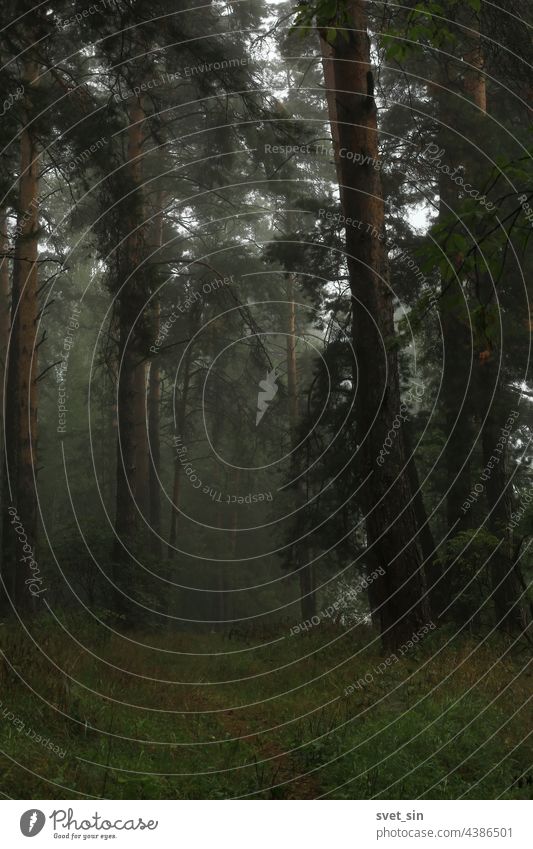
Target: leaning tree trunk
(21,388)
(386,495)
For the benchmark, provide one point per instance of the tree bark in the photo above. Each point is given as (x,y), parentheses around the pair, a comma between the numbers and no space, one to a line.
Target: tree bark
(509,603)
(21,390)
(132,442)
(292,370)
(457,344)
(5,309)
(306,571)
(154,438)
(475,84)
(432,568)
(5,320)
(5,298)
(386,496)
(154,403)
(180,422)
(328,60)
(142,460)
(457,339)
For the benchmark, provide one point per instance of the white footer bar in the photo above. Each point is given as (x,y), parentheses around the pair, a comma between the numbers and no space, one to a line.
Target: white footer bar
(269,824)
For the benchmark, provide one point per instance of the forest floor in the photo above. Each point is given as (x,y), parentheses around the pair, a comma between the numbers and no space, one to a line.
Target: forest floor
(268,716)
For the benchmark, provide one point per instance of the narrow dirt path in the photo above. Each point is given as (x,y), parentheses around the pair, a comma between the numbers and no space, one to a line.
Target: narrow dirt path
(278,767)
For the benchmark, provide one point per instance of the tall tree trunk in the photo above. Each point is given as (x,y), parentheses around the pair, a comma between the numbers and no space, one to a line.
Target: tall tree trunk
(457,348)
(510,606)
(386,495)
(132,368)
(510,609)
(154,402)
(5,298)
(224,536)
(305,567)
(5,321)
(154,439)
(456,389)
(327,51)
(141,368)
(5,309)
(21,390)
(432,567)
(475,83)
(292,370)
(180,423)
(142,461)
(219,591)
(306,574)
(457,339)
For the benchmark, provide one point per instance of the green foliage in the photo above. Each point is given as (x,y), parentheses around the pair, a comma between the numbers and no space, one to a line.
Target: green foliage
(329,16)
(426,25)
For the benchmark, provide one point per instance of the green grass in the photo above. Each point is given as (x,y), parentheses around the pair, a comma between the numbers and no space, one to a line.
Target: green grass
(446,721)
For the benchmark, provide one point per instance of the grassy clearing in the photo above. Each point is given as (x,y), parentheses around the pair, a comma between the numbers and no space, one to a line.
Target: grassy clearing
(212,717)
